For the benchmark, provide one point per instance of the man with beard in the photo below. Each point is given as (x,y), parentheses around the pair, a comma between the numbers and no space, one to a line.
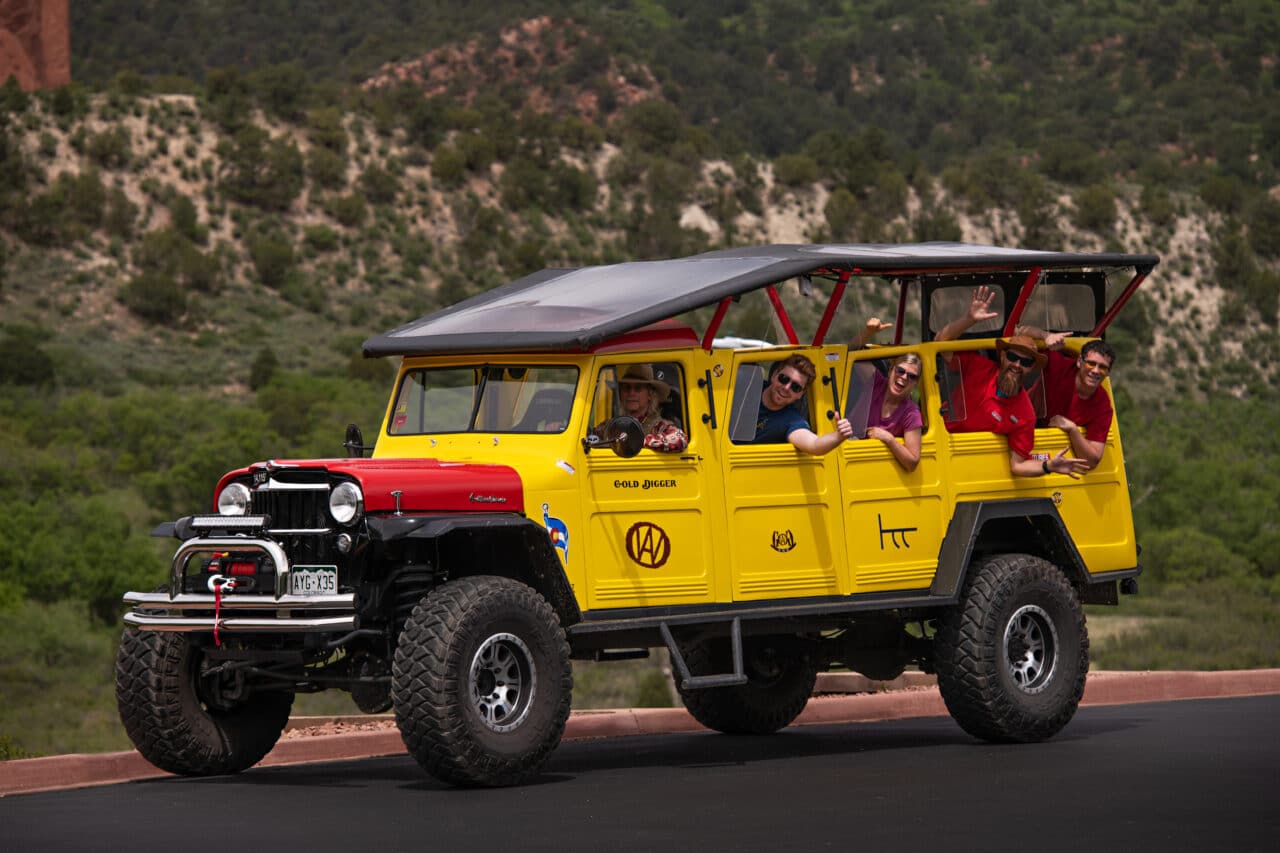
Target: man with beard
(1074,402)
(994,399)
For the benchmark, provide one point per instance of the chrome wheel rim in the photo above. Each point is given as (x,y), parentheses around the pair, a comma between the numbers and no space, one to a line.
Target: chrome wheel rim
(502,681)
(1031,648)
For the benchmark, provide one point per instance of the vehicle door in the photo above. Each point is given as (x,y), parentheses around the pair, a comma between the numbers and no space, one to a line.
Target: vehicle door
(649,534)
(783,506)
(894,519)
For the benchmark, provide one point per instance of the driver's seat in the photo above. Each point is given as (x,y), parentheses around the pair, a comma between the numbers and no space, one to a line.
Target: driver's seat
(548,411)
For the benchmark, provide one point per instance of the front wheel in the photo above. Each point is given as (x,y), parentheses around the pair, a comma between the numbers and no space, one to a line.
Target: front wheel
(181,715)
(1013,654)
(482,682)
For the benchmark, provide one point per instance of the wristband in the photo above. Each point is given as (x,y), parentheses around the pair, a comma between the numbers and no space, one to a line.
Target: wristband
(1044,465)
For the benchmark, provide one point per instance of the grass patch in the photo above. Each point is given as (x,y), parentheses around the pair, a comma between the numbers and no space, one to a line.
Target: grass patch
(57,672)
(1214,625)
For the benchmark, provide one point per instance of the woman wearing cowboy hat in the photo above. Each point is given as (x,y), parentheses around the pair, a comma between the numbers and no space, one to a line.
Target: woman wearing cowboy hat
(640,394)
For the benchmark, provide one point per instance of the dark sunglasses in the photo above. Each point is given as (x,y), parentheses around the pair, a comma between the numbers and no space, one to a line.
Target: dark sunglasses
(633,386)
(788,383)
(905,374)
(1024,360)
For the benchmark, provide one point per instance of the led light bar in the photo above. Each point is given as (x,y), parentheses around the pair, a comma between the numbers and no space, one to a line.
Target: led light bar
(229,522)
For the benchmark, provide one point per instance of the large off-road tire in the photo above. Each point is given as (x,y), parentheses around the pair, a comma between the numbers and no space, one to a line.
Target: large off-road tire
(482,682)
(780,678)
(174,718)
(1013,654)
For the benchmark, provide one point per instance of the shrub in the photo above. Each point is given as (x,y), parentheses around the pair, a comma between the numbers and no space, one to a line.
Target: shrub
(1224,193)
(348,210)
(272,259)
(1185,555)
(652,126)
(795,170)
(182,213)
(155,297)
(321,238)
(110,149)
(325,129)
(281,89)
(327,168)
(1264,227)
(261,171)
(448,165)
(841,213)
(1096,208)
(936,224)
(1157,206)
(379,185)
(23,362)
(1072,162)
(263,368)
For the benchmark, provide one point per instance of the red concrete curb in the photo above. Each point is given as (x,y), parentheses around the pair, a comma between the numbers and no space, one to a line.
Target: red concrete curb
(914,698)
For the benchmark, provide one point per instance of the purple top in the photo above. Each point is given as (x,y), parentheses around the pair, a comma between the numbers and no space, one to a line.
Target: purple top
(904,418)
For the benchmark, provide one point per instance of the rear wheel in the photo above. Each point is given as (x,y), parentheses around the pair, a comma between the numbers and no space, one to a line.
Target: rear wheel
(482,682)
(780,679)
(185,719)
(1013,655)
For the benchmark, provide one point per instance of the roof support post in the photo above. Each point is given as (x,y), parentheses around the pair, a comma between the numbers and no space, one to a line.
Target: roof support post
(780,310)
(714,325)
(1138,277)
(829,314)
(1024,294)
(903,285)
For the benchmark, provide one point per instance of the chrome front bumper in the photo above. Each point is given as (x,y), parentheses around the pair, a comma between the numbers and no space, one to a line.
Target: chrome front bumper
(190,612)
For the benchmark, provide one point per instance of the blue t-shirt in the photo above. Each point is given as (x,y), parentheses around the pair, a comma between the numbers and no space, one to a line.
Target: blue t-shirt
(774,427)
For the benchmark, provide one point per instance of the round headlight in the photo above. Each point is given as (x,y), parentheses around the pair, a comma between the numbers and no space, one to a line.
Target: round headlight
(234,500)
(345,503)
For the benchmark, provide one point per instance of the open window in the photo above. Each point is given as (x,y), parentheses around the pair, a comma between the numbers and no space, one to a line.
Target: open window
(665,381)
(748,385)
(862,383)
(863,378)
(956,391)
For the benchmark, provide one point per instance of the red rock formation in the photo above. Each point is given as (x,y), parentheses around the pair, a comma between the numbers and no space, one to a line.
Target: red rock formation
(35,43)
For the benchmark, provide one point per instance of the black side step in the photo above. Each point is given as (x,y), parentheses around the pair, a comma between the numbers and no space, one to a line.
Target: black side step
(701,682)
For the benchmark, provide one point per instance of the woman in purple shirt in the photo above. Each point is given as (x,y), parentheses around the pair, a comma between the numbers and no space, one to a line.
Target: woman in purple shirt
(893,413)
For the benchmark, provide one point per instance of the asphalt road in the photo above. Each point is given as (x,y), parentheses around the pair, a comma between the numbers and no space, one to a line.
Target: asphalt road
(1171,776)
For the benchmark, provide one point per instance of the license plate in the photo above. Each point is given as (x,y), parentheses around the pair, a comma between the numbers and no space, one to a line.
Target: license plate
(313,580)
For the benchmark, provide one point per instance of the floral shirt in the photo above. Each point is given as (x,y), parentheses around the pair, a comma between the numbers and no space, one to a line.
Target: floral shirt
(659,434)
(662,434)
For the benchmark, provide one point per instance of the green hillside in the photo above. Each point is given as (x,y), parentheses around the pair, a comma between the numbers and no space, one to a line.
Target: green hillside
(197,234)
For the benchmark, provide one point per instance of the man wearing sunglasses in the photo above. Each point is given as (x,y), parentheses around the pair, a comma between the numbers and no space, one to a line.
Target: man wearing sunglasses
(1073,400)
(782,416)
(994,399)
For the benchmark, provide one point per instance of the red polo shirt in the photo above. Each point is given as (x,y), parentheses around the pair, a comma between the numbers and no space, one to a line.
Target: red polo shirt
(986,411)
(1092,414)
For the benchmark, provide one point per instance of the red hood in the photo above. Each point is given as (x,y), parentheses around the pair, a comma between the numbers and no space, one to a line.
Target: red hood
(427,485)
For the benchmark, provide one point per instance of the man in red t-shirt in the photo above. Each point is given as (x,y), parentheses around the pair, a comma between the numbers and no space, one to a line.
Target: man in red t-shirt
(1074,399)
(994,399)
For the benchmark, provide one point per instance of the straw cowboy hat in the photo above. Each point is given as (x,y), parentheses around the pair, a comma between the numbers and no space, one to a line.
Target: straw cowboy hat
(1025,345)
(644,373)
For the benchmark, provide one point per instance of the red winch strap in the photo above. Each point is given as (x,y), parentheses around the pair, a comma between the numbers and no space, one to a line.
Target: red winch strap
(217,611)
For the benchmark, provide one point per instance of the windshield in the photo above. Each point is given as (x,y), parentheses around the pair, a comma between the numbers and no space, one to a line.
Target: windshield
(484,398)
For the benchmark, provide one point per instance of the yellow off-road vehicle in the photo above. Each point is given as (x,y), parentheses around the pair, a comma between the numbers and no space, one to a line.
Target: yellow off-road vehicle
(511,519)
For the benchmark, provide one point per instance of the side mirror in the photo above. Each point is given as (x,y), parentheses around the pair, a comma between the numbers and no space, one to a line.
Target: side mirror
(625,435)
(354,442)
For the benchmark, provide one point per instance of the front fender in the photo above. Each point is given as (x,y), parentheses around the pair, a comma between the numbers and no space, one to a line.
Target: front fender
(502,544)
